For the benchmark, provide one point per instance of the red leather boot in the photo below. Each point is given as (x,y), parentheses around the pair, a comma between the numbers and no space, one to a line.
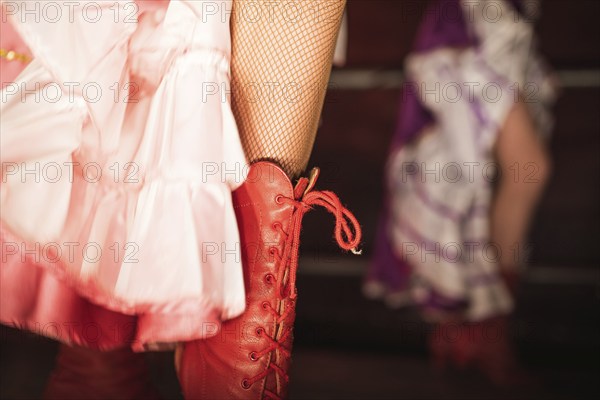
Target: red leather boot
(250,357)
(82,373)
(484,346)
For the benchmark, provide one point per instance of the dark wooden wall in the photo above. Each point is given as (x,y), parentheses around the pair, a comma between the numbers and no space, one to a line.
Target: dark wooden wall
(353,142)
(382,31)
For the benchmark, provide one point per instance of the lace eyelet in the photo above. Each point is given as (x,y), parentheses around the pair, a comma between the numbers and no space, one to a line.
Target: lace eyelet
(278,199)
(246,384)
(259,331)
(253,356)
(265,305)
(276,225)
(269,278)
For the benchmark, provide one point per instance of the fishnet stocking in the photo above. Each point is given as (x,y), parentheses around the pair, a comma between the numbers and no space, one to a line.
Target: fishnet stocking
(281,61)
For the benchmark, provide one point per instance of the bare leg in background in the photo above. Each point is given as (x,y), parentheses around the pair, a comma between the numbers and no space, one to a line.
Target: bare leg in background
(525,165)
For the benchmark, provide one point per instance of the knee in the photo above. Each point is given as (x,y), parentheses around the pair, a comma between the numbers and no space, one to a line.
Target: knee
(536,175)
(528,177)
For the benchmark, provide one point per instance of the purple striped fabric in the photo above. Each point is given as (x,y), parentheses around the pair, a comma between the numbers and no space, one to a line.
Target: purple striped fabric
(436,30)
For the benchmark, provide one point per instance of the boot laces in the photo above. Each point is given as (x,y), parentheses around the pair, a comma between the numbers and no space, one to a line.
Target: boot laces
(347,234)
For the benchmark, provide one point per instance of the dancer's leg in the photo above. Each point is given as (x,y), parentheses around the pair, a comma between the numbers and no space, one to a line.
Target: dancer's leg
(525,166)
(280,70)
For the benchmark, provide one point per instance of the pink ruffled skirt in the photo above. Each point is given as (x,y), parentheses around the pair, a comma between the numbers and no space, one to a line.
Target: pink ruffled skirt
(119,155)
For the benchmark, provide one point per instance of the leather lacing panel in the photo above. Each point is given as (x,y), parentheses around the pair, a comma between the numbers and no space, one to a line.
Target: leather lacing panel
(348,235)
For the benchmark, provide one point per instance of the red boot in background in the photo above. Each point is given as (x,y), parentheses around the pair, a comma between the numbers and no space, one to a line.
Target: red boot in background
(82,373)
(485,346)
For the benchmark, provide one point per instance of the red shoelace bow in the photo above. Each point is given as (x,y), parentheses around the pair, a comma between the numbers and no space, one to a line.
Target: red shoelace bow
(348,236)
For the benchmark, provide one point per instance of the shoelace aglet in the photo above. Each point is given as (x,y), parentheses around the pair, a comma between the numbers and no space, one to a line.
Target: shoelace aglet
(356,252)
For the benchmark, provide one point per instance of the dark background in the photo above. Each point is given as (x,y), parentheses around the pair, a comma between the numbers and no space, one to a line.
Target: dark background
(352,145)
(556,324)
(348,347)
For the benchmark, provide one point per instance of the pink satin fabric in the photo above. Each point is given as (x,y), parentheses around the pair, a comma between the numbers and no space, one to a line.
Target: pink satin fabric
(11,41)
(136,175)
